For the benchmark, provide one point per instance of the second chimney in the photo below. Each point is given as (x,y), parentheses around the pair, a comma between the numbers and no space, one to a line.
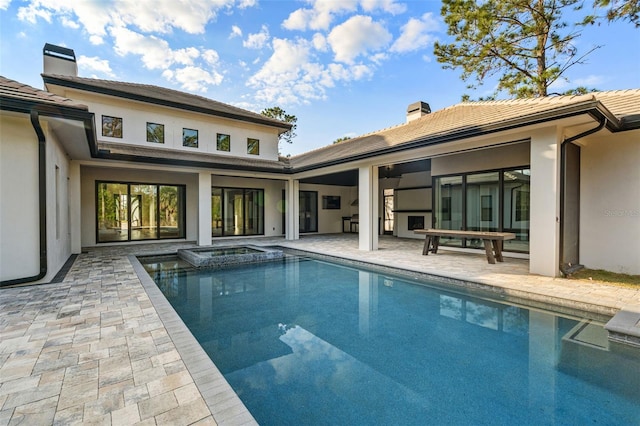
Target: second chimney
(417,110)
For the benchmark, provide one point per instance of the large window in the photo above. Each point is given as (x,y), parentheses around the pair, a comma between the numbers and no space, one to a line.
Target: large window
(237,211)
(133,211)
(484,201)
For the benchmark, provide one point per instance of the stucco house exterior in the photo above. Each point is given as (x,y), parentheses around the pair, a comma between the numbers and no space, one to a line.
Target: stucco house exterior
(89,162)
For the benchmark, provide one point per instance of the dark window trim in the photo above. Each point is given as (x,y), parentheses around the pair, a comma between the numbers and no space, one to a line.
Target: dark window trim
(197,138)
(155,124)
(183,206)
(258,145)
(463,185)
(218,142)
(102,126)
(222,207)
(317,213)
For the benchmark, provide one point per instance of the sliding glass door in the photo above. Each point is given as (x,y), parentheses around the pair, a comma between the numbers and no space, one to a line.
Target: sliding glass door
(308,215)
(237,211)
(134,212)
(484,201)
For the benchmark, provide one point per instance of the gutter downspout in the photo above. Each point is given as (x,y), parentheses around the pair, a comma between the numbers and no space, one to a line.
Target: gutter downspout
(42,201)
(563,154)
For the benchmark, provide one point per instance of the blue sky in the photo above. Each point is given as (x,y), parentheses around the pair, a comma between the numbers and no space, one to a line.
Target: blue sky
(343,67)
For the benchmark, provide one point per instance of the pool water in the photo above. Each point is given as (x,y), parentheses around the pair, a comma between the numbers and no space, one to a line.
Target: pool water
(303,341)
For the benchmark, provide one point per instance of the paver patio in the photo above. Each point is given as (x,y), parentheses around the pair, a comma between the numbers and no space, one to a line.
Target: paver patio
(103,347)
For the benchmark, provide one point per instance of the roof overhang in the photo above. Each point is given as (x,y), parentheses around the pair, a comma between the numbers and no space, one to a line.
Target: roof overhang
(73,127)
(593,110)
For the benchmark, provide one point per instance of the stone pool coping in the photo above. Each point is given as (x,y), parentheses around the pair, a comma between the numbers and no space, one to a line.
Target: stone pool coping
(224,404)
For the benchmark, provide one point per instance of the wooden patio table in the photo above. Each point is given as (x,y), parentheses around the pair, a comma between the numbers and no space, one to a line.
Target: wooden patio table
(492,240)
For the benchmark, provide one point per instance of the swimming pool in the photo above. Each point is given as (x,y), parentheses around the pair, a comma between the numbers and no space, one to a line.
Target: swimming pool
(304,341)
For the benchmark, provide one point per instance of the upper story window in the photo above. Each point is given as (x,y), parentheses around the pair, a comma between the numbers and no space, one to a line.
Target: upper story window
(155,133)
(253,146)
(223,142)
(190,138)
(112,126)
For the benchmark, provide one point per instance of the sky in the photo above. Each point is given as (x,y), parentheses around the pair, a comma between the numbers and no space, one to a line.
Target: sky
(343,67)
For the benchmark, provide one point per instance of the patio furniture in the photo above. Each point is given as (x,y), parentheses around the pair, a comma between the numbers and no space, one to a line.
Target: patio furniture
(492,240)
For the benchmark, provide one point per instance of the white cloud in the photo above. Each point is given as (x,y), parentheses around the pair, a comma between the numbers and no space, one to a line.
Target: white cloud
(389,6)
(155,52)
(4,4)
(95,64)
(257,40)
(357,36)
(320,16)
(210,56)
(292,75)
(193,79)
(69,23)
(96,40)
(319,42)
(415,34)
(190,16)
(235,31)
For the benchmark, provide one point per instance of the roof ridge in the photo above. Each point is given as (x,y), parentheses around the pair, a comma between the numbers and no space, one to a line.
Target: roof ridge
(88,80)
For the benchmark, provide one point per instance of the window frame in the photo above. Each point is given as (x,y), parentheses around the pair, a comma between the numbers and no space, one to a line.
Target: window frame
(184,136)
(223,203)
(155,125)
(219,141)
(112,128)
(500,207)
(253,144)
(182,206)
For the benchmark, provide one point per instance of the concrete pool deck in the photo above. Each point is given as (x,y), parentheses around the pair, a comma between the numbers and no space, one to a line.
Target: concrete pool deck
(103,346)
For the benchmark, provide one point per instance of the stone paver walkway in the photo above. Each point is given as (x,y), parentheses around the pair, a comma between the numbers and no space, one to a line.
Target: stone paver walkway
(100,349)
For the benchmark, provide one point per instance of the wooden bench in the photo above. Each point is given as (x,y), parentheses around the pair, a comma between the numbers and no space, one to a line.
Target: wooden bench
(492,240)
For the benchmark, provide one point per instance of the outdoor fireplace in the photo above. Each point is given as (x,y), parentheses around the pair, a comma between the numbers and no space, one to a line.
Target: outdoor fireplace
(415,222)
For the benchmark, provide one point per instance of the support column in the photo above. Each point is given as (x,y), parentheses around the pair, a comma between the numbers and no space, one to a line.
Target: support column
(368,208)
(292,223)
(75,208)
(544,244)
(204,209)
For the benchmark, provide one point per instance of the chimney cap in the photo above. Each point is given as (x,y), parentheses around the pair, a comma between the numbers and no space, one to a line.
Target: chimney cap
(419,106)
(59,52)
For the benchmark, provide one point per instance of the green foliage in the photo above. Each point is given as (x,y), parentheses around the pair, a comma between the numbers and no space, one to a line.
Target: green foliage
(525,43)
(342,139)
(280,114)
(617,9)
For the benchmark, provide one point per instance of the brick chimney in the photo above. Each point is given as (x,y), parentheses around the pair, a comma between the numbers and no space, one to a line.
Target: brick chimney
(417,110)
(59,60)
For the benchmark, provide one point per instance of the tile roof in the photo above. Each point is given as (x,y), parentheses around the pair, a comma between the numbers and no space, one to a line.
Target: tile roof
(198,159)
(468,118)
(163,96)
(27,95)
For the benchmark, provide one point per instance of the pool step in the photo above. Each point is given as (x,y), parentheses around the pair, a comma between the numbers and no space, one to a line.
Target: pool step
(624,327)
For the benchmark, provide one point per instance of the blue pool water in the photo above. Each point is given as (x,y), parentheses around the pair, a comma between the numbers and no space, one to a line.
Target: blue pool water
(303,341)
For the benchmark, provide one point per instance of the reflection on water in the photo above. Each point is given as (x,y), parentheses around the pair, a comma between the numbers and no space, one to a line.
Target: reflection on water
(307,342)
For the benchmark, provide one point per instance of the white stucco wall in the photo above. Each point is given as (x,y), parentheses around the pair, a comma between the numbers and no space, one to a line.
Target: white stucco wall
(19,209)
(135,116)
(610,203)
(330,221)
(58,207)
(19,223)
